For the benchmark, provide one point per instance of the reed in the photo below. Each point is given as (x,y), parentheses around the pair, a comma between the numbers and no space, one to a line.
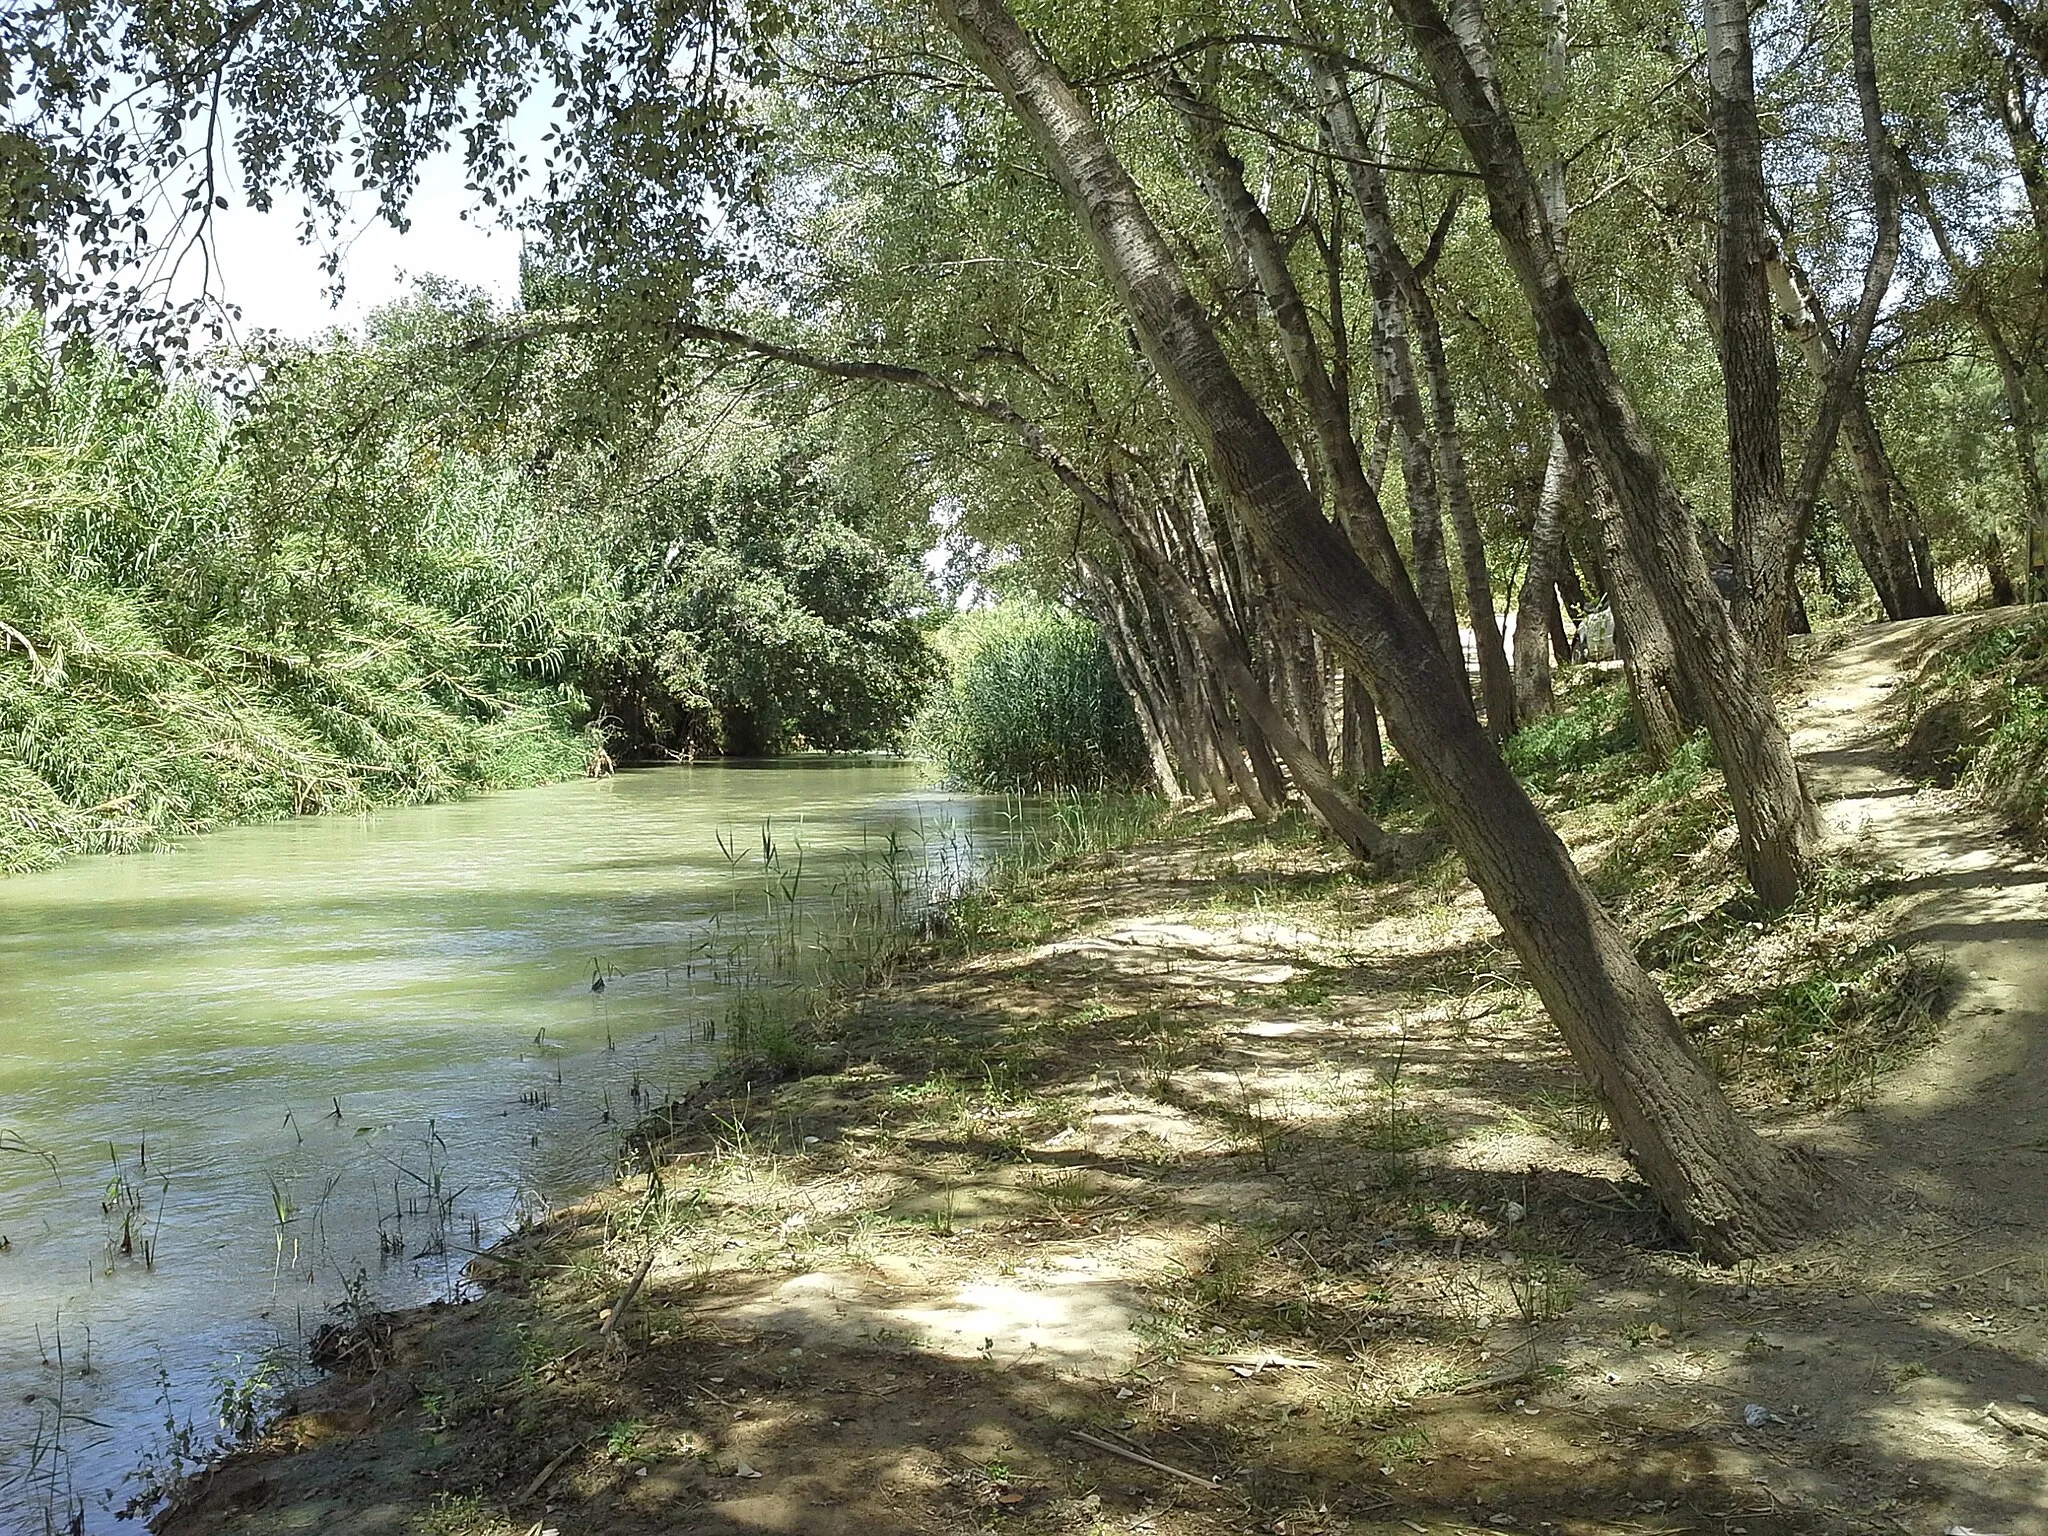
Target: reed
(1030,702)
(174,656)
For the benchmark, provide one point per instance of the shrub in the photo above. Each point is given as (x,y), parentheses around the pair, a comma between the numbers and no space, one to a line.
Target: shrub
(170,659)
(1030,702)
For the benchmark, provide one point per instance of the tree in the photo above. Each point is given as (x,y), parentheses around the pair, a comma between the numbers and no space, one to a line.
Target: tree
(1725,1187)
(1775,817)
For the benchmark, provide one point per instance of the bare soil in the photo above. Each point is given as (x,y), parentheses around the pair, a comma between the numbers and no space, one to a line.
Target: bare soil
(1259,1196)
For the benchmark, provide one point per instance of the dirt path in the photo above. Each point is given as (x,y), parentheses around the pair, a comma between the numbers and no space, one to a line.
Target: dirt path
(1951,1157)
(1250,1195)
(1965,1128)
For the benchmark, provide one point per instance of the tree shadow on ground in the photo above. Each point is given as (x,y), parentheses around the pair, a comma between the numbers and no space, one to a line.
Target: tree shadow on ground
(1326,1226)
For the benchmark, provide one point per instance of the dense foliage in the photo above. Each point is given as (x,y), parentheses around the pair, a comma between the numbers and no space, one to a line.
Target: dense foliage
(362,588)
(175,656)
(1030,702)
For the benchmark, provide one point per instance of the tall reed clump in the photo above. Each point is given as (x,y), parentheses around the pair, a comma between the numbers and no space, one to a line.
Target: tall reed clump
(1031,702)
(171,658)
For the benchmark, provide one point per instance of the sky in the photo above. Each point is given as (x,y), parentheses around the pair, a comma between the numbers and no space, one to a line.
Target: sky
(279,284)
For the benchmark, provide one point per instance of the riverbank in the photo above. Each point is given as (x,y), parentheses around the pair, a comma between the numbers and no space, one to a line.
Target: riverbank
(1207,1186)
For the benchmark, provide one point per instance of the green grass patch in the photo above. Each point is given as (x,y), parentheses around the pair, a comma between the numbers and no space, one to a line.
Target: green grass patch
(1827,1037)
(1592,727)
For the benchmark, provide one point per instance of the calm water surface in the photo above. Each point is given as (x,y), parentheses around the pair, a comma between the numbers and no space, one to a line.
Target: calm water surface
(178,1031)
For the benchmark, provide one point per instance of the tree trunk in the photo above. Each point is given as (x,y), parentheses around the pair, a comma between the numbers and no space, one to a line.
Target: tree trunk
(1394,363)
(1179,717)
(1723,1185)
(1998,573)
(1364,757)
(1236,761)
(2017,104)
(1656,694)
(1538,601)
(1383,246)
(2019,409)
(1265,757)
(1231,663)
(1191,704)
(1537,614)
(1776,821)
(1244,222)
(1133,671)
(1884,523)
(1746,337)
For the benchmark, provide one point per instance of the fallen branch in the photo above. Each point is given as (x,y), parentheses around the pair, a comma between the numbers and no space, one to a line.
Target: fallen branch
(2020,1423)
(1978,1274)
(1261,1362)
(1144,1461)
(618,1308)
(1521,1377)
(550,1470)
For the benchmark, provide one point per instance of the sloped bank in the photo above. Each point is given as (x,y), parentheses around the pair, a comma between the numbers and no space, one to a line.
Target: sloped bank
(1211,1187)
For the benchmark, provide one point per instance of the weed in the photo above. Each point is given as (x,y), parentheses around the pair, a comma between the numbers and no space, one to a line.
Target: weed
(242,1399)
(1574,1118)
(1067,1191)
(1827,1038)
(1225,1273)
(1543,1288)
(1398,1448)
(627,1440)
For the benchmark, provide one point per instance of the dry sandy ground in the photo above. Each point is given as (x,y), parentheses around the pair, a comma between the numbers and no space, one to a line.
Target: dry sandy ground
(1256,1198)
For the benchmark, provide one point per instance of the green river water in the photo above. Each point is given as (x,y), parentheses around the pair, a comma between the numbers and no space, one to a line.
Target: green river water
(177,1031)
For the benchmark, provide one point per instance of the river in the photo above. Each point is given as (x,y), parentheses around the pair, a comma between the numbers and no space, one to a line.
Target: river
(282,1068)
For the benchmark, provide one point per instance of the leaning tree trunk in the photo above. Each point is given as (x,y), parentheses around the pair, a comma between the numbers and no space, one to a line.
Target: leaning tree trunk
(1228,660)
(1237,761)
(1247,229)
(1776,821)
(2019,406)
(1198,727)
(1723,1185)
(1884,523)
(1649,662)
(1131,672)
(1395,361)
(1364,757)
(1998,573)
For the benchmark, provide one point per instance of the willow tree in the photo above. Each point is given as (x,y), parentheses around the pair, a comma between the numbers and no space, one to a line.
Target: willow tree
(1722,1184)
